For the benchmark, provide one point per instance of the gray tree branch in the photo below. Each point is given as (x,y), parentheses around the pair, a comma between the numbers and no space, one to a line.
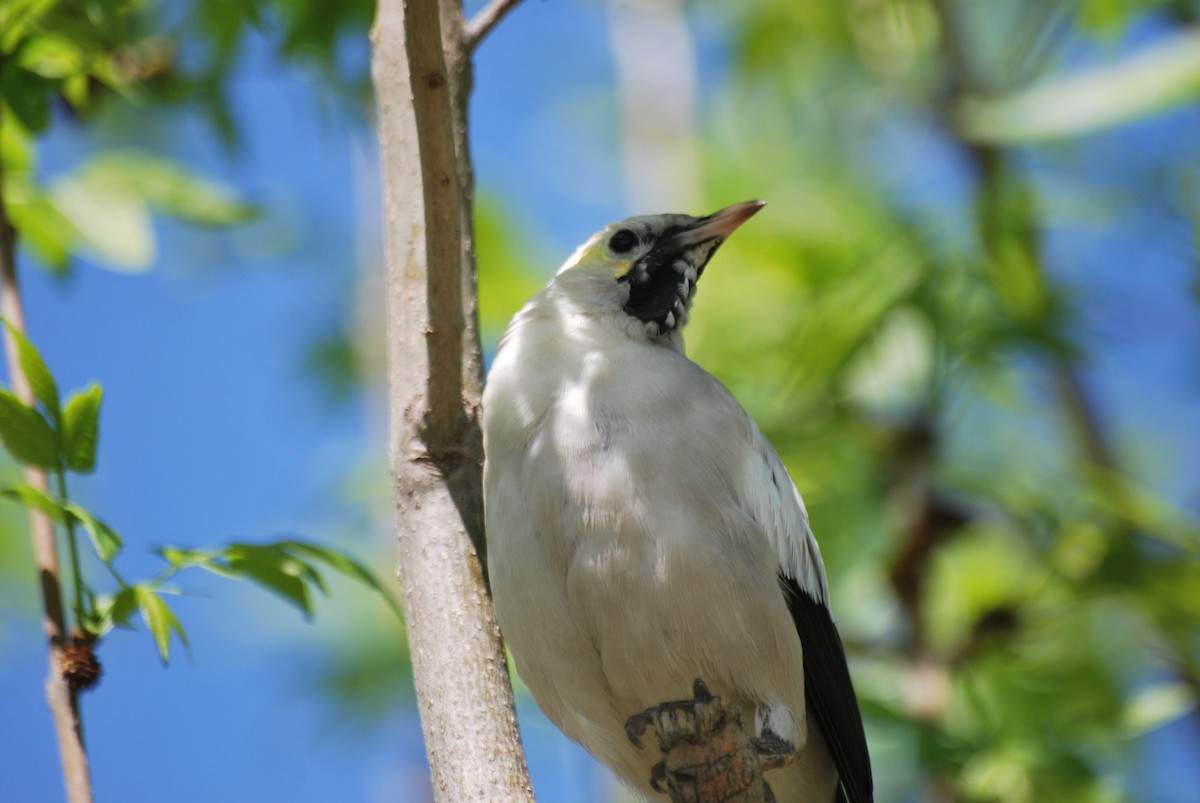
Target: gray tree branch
(485,20)
(434,378)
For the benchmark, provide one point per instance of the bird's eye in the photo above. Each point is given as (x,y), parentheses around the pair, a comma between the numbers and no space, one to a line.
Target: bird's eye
(622,242)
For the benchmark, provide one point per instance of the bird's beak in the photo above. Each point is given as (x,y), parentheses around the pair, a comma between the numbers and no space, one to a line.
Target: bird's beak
(719,225)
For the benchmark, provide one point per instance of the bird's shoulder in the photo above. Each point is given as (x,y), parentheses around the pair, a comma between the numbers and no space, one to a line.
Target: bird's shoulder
(553,356)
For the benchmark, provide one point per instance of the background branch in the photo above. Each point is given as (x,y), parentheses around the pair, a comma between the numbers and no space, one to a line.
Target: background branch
(486,19)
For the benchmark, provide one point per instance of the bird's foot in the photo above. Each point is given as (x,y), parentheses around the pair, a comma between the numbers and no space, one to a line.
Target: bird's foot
(663,714)
(707,756)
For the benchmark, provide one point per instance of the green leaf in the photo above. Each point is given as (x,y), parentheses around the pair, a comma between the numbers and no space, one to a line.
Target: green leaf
(81,429)
(1108,18)
(1147,82)
(114,226)
(280,568)
(16,18)
(77,90)
(44,229)
(16,153)
(104,540)
(160,619)
(40,379)
(116,610)
(209,560)
(26,434)
(167,187)
(842,321)
(343,564)
(31,497)
(51,56)
(114,75)
(27,97)
(275,570)
(109,200)
(249,10)
(1155,706)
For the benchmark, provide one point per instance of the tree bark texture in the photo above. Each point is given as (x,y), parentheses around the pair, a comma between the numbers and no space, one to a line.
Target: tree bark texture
(420,68)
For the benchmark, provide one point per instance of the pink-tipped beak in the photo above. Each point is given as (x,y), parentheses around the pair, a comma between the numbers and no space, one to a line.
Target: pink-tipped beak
(720,224)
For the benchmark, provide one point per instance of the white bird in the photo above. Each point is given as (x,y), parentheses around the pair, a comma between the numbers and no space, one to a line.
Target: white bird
(642,532)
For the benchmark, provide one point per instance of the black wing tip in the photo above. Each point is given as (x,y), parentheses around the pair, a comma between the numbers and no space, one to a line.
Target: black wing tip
(854,792)
(830,693)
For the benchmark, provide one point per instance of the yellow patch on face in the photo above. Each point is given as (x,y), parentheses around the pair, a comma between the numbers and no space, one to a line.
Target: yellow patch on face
(622,268)
(593,256)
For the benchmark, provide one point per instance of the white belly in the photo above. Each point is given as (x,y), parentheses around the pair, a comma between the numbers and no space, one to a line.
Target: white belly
(623,567)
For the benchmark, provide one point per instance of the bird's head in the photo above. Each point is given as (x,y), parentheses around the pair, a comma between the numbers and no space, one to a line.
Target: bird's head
(645,268)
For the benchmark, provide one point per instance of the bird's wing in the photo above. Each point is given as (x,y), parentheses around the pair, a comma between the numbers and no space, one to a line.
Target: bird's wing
(773,500)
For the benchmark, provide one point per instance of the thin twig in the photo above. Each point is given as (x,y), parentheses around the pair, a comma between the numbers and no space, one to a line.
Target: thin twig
(72,551)
(483,21)
(61,699)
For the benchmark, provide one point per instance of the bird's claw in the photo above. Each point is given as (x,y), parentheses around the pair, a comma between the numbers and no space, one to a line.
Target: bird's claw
(773,751)
(636,725)
(658,777)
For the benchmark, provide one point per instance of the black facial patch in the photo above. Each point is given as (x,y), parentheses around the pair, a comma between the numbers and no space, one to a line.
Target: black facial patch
(663,282)
(655,295)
